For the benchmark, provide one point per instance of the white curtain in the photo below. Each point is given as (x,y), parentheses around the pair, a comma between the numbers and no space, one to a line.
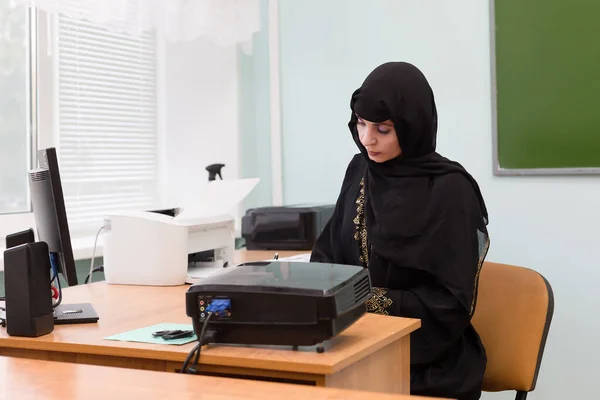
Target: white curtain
(224,22)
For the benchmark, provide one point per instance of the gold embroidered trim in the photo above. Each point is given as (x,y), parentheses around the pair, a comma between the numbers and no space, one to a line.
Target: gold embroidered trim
(378,302)
(361,227)
(480,264)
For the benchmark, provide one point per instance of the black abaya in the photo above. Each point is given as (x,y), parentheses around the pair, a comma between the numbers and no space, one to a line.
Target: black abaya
(418,222)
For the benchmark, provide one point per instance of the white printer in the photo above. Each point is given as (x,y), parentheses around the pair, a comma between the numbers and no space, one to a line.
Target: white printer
(162,249)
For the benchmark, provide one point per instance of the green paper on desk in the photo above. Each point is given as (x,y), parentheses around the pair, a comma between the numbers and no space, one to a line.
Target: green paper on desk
(144,335)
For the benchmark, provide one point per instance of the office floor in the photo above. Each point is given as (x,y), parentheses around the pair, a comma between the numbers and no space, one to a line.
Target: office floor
(82,267)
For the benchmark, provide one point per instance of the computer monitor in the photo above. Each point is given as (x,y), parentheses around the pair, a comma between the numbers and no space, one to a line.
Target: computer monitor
(50,214)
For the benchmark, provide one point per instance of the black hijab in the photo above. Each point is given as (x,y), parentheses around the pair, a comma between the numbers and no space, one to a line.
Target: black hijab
(415,216)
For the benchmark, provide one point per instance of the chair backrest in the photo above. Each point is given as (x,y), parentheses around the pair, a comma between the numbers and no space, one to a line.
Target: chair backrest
(513,314)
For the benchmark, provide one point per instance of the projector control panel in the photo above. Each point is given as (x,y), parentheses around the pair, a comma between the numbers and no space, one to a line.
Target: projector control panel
(219,307)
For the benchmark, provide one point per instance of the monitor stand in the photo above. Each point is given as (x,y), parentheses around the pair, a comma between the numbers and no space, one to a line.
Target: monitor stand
(80,313)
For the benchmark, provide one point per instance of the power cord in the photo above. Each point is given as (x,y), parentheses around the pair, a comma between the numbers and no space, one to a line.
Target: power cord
(53,264)
(97,269)
(94,254)
(202,340)
(184,369)
(209,337)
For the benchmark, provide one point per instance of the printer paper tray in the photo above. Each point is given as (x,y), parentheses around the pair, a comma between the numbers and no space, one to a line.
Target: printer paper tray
(203,270)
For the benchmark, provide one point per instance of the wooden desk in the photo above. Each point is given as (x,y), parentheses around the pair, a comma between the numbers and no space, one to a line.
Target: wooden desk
(21,379)
(373,354)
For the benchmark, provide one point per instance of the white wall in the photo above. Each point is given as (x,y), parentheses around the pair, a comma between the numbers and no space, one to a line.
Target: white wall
(201,116)
(547,223)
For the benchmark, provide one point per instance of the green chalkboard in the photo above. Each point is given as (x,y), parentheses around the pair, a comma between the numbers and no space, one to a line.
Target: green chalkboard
(547,86)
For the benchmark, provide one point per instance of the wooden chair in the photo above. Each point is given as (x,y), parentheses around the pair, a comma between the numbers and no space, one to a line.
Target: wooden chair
(512,316)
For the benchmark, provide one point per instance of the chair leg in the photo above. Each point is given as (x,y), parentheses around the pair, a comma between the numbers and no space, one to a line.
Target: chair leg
(521,395)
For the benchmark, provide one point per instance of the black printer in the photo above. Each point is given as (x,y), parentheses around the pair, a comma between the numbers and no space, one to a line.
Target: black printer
(284,228)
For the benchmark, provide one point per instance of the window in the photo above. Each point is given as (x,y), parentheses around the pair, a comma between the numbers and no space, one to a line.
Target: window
(107,121)
(15,149)
(93,96)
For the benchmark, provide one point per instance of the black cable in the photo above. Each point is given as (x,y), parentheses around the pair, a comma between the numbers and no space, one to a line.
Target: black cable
(96,269)
(188,358)
(196,350)
(201,342)
(59,293)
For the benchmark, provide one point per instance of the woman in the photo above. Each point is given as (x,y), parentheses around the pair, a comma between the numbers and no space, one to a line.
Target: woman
(418,222)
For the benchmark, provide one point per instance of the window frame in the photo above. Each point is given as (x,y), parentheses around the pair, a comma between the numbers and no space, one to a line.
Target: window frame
(18,221)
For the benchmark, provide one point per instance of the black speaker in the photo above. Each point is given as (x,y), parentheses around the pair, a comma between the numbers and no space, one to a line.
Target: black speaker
(19,238)
(27,290)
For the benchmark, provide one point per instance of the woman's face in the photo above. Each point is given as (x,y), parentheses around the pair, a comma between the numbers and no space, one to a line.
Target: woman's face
(379,138)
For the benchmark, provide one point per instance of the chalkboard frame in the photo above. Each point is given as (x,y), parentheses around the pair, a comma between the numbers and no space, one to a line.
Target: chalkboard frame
(498,170)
